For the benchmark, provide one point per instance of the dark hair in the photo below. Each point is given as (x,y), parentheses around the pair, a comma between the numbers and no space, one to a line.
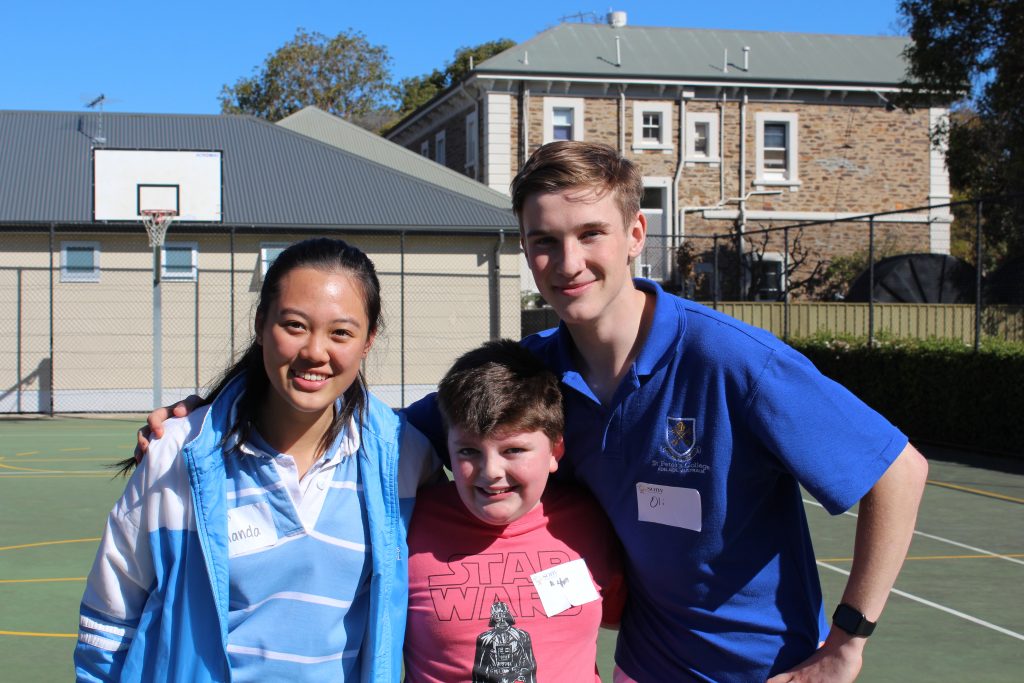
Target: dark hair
(568,164)
(324,254)
(501,386)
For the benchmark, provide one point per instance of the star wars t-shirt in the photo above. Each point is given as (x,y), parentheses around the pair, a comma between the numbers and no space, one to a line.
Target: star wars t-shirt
(474,612)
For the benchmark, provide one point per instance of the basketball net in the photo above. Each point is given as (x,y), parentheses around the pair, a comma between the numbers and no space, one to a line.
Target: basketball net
(157,221)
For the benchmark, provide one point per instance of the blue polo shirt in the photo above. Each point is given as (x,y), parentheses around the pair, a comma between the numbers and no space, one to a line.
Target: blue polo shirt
(698,460)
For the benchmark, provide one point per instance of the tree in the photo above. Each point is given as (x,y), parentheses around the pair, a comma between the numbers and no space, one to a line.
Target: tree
(418,90)
(345,75)
(973,53)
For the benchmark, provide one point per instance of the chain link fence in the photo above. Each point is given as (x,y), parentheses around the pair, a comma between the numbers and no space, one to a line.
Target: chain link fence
(876,274)
(75,340)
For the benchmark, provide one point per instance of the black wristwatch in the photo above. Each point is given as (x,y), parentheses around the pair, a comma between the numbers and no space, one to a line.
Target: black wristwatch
(852,621)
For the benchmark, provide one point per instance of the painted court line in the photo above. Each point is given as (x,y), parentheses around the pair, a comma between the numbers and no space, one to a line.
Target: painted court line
(60,580)
(31,634)
(977,492)
(45,543)
(941,539)
(935,605)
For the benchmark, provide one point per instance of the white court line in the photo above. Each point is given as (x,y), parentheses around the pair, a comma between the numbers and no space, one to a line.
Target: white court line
(942,608)
(942,539)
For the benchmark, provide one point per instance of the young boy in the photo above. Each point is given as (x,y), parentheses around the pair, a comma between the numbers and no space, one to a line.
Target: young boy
(492,553)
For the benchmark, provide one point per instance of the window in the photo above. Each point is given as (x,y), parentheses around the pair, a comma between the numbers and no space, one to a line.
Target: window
(439,155)
(269,251)
(654,261)
(563,119)
(179,261)
(472,141)
(80,262)
(702,137)
(561,123)
(776,149)
(652,125)
(765,276)
(425,148)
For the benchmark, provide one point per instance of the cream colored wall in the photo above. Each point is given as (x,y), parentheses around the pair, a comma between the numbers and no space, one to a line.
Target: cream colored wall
(102,342)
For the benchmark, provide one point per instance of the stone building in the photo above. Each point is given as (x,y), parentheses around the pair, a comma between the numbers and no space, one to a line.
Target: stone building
(735,131)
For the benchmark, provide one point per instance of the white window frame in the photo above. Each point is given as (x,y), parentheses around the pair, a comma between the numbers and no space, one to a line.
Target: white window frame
(553,103)
(472,140)
(664,111)
(79,276)
(425,148)
(264,248)
(193,247)
(439,148)
(711,120)
(791,176)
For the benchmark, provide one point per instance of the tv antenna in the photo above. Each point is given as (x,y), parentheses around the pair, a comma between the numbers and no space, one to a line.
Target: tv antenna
(97,104)
(581,18)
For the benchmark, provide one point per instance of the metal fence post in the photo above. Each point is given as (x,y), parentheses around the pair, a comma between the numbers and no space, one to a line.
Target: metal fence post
(714,282)
(977,276)
(401,315)
(53,364)
(195,326)
(785,284)
(17,347)
(231,286)
(871,282)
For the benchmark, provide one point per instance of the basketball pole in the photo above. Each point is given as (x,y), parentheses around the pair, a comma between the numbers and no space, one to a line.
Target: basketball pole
(157,332)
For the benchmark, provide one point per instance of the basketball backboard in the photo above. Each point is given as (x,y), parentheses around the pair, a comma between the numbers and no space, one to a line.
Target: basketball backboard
(128,182)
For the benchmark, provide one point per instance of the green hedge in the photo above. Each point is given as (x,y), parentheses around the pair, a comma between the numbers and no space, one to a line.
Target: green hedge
(934,390)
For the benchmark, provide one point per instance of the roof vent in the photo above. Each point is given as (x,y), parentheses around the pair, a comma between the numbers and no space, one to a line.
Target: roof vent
(616,19)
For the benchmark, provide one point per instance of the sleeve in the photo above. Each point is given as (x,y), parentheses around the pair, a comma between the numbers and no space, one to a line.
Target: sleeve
(116,590)
(425,416)
(832,442)
(123,574)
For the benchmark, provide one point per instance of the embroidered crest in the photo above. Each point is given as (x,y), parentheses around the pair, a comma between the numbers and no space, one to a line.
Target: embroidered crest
(680,438)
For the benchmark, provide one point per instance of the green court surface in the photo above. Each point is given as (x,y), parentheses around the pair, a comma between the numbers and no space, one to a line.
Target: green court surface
(957,612)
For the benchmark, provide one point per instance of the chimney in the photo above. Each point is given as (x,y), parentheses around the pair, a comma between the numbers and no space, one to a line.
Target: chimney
(616,19)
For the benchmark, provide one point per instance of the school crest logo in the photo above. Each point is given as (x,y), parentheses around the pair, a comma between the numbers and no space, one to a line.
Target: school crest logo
(680,438)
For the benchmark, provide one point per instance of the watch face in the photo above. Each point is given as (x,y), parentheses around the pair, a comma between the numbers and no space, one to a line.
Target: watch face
(852,621)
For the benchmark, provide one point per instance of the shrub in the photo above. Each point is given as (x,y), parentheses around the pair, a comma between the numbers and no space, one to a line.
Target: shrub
(937,390)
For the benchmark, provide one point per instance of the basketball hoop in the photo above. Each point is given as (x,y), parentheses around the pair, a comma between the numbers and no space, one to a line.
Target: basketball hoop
(157,221)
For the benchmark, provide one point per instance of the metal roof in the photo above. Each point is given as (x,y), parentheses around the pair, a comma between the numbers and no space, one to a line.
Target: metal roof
(272,176)
(590,50)
(332,130)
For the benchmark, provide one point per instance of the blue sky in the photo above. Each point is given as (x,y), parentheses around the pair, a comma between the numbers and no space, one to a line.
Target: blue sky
(174,56)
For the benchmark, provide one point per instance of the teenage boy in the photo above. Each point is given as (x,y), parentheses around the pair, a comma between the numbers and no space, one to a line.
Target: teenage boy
(695,432)
(502,564)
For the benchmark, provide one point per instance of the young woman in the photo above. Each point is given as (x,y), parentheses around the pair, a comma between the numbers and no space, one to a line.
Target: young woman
(264,535)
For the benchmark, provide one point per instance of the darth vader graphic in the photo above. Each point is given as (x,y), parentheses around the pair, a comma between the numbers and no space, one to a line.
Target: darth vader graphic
(504,653)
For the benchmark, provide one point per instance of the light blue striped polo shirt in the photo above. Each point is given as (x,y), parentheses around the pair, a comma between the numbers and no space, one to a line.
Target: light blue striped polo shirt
(299,564)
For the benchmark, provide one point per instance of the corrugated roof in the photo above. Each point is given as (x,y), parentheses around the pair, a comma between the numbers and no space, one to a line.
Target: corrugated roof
(272,176)
(332,130)
(589,50)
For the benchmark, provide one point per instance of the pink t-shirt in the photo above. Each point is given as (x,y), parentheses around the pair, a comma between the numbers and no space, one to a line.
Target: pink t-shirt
(474,614)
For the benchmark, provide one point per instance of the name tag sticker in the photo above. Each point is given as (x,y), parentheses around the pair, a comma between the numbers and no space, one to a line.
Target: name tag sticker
(669,505)
(250,527)
(564,586)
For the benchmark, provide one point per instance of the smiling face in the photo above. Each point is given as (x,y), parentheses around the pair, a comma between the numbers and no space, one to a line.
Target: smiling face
(501,477)
(314,337)
(579,249)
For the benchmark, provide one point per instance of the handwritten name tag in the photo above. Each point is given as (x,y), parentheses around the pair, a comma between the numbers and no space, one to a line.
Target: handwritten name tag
(250,527)
(564,586)
(669,505)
